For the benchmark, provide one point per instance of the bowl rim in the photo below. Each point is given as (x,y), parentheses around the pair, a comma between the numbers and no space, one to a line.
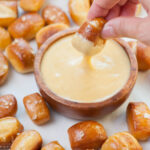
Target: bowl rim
(112,99)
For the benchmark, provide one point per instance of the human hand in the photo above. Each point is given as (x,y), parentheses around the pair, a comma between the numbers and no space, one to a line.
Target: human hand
(121,19)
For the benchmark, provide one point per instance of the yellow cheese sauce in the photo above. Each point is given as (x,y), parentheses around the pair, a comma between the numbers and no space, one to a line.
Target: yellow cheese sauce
(66,72)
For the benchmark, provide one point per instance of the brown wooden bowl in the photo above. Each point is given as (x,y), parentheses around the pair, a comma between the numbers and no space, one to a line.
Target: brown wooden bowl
(79,110)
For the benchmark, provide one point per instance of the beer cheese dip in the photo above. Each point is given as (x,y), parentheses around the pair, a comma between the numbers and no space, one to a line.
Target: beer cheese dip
(67,73)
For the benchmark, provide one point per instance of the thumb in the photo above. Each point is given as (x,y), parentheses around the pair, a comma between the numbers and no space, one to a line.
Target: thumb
(138,28)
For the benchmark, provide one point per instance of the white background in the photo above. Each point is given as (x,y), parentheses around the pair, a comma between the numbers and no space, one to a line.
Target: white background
(22,85)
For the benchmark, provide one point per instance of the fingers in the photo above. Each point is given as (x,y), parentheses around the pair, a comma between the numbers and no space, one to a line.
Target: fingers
(96,11)
(132,27)
(122,2)
(114,12)
(146,4)
(120,27)
(100,8)
(129,9)
(106,4)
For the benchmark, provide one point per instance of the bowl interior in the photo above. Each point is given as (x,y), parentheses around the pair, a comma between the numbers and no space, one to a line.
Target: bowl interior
(126,89)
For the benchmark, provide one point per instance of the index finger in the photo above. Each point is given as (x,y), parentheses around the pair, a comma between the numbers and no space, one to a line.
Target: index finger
(100,8)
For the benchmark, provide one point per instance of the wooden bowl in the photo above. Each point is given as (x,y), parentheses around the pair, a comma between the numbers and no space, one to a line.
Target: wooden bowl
(79,110)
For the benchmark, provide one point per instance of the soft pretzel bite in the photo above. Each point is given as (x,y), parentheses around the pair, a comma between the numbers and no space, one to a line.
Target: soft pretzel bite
(5,38)
(4,68)
(10,127)
(53,14)
(120,141)
(91,30)
(88,38)
(26,26)
(48,31)
(143,56)
(31,5)
(87,135)
(138,118)
(21,55)
(8,105)
(27,140)
(79,10)
(142,52)
(36,108)
(8,12)
(53,146)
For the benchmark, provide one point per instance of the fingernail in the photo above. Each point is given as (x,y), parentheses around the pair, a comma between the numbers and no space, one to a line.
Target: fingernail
(108,31)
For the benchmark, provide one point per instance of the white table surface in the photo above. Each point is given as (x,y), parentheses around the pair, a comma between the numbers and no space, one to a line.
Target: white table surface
(21,85)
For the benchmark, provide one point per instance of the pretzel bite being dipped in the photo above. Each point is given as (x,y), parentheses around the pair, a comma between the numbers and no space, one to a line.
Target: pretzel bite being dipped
(138,118)
(36,108)
(79,10)
(53,146)
(27,140)
(21,55)
(121,141)
(142,52)
(10,127)
(8,12)
(31,5)
(87,135)
(53,14)
(48,31)
(88,38)
(5,38)
(8,105)
(26,26)
(4,68)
